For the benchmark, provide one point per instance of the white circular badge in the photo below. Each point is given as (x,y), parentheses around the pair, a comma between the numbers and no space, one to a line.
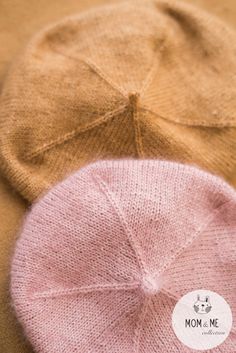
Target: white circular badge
(202,319)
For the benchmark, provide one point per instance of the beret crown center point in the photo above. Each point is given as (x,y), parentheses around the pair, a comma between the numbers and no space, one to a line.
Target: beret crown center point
(133,99)
(150,285)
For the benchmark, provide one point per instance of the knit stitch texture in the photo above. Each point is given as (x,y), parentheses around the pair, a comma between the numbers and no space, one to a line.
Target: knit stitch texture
(143,79)
(105,255)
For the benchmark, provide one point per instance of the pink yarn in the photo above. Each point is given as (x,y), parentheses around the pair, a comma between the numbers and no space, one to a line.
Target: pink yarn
(105,255)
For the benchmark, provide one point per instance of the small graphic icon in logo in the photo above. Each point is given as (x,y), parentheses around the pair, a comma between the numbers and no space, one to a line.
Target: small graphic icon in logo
(202,306)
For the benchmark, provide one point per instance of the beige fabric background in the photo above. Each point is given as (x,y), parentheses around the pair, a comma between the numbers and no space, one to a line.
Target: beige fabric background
(19,20)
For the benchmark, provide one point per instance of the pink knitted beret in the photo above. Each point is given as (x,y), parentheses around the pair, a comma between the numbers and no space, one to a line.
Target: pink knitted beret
(105,255)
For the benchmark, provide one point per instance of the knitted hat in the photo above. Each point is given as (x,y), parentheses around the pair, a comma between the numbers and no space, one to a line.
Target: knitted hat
(139,79)
(104,256)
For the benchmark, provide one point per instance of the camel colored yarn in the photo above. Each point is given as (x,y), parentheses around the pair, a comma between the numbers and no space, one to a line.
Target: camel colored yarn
(153,79)
(104,256)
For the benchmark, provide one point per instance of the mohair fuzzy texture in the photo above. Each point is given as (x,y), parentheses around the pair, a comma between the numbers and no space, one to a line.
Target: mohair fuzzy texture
(19,19)
(105,255)
(153,79)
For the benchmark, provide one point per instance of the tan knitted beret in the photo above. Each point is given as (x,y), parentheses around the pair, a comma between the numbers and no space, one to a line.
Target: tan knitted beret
(152,79)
